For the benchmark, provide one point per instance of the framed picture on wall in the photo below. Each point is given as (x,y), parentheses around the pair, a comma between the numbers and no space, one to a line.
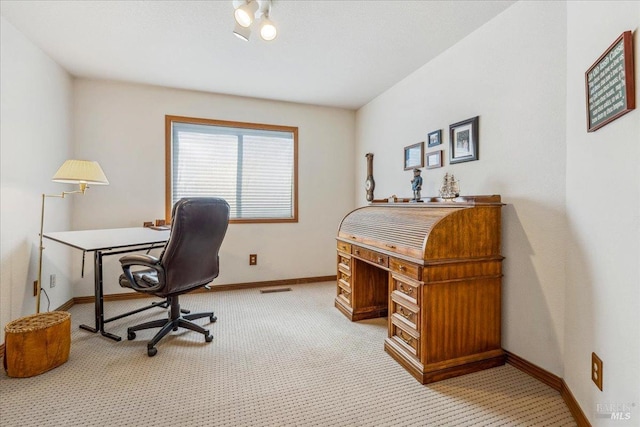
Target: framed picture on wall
(463,140)
(609,84)
(434,160)
(413,156)
(434,138)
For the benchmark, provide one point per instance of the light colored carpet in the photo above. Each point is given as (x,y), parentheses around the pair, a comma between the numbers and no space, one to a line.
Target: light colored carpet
(277,359)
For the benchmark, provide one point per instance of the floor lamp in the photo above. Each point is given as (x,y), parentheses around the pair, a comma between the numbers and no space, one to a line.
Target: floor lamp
(82,172)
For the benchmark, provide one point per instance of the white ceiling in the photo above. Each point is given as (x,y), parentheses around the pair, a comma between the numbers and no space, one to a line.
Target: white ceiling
(335,53)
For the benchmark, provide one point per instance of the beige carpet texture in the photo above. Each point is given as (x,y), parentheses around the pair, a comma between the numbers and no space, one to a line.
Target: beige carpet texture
(276,359)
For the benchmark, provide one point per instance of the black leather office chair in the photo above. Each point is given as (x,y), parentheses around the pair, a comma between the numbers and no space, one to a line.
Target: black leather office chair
(189,261)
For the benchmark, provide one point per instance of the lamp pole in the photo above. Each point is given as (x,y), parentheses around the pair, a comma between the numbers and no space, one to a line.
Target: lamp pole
(82,189)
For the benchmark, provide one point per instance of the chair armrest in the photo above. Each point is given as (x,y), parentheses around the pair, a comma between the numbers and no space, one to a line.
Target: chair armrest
(149,261)
(138,259)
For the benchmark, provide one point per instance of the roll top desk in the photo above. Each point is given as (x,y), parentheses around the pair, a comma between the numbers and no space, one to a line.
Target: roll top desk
(435,270)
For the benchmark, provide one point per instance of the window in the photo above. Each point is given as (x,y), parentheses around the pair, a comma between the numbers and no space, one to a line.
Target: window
(252,166)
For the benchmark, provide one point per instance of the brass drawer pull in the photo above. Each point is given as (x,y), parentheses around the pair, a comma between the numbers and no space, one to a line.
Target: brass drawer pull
(380,260)
(402,268)
(407,340)
(403,314)
(408,291)
(357,252)
(390,246)
(353,237)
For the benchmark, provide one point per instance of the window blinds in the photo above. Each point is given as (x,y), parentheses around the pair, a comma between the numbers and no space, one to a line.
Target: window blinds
(252,169)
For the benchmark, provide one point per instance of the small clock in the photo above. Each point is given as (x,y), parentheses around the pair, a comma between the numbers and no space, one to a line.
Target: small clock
(369,184)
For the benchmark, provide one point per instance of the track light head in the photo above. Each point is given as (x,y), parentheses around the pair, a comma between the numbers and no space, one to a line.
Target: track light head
(241,32)
(244,14)
(268,30)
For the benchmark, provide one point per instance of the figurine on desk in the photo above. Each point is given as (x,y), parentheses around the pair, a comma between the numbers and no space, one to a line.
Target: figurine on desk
(416,185)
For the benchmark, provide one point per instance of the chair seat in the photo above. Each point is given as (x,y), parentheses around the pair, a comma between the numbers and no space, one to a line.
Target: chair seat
(144,279)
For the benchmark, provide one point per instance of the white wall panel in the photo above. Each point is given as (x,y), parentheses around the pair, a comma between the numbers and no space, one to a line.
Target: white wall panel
(603,209)
(35,99)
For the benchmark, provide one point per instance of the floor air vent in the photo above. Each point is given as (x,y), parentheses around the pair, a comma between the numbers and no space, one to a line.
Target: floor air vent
(268,291)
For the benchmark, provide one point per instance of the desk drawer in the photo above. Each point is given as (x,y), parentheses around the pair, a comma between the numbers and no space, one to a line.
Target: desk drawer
(344,292)
(405,268)
(345,281)
(343,269)
(407,338)
(371,256)
(408,289)
(404,311)
(344,262)
(344,247)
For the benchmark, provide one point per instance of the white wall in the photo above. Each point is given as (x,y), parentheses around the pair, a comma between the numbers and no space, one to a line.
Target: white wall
(35,139)
(122,127)
(510,72)
(603,206)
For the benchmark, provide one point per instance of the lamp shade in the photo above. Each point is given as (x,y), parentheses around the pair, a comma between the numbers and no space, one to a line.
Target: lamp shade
(81,172)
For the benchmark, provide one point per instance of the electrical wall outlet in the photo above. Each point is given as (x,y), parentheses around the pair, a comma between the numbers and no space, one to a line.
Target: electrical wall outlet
(596,370)
(253,259)
(35,288)
(52,280)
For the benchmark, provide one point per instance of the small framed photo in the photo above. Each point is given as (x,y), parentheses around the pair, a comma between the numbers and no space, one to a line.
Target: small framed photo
(463,140)
(434,160)
(413,156)
(434,138)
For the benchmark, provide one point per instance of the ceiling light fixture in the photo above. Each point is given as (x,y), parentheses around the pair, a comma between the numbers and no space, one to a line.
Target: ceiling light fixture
(246,11)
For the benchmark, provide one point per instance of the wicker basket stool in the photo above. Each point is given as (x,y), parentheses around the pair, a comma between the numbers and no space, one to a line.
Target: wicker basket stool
(37,343)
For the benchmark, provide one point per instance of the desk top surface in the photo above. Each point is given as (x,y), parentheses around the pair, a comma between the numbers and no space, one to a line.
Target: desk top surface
(95,240)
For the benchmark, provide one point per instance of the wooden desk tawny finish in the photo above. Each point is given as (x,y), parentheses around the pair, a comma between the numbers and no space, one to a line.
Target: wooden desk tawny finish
(435,269)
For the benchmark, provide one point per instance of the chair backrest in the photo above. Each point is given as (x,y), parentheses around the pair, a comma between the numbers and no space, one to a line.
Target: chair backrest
(190,257)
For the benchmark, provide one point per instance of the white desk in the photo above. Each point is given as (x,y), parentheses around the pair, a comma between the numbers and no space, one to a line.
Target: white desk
(109,242)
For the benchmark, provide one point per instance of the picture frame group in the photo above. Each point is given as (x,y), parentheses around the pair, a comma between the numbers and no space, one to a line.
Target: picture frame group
(464,145)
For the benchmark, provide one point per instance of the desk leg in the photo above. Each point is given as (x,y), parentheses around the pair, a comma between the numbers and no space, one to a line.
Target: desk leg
(99,299)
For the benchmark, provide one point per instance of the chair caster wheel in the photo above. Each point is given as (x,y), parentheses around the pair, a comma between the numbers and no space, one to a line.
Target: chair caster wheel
(175,329)
(131,335)
(152,351)
(208,338)
(212,319)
